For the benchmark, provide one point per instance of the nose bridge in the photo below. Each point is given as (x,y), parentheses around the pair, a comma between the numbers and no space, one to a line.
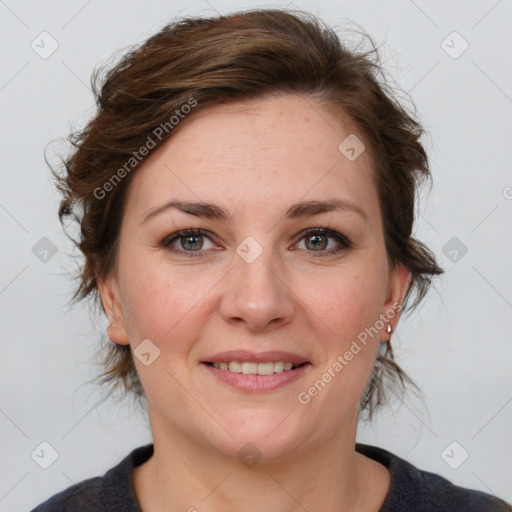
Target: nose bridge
(257,278)
(255,291)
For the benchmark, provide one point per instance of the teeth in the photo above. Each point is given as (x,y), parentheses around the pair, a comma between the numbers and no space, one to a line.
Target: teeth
(265,368)
(234,367)
(279,366)
(248,368)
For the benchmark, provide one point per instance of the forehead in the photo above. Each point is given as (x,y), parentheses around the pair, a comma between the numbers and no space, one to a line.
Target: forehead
(274,150)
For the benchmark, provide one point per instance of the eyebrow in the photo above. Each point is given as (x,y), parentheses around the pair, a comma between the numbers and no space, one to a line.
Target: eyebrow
(295,211)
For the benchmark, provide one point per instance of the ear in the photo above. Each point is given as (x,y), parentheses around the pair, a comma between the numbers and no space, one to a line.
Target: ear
(398,282)
(111,301)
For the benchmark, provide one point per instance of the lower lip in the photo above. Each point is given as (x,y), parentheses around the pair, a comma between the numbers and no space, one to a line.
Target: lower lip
(257,382)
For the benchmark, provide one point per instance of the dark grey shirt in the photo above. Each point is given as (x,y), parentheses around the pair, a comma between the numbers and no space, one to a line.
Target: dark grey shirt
(411,489)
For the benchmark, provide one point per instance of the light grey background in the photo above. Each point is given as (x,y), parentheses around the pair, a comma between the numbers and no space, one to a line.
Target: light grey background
(457,347)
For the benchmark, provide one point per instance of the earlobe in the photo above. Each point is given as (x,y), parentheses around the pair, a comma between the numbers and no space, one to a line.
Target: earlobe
(110,300)
(398,284)
(117,333)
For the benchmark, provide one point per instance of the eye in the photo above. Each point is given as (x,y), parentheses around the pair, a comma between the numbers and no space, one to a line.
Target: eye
(317,240)
(197,242)
(188,241)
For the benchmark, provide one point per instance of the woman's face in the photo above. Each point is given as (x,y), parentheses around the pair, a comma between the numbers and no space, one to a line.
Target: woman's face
(275,268)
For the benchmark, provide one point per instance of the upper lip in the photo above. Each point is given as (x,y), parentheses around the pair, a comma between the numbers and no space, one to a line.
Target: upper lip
(256,357)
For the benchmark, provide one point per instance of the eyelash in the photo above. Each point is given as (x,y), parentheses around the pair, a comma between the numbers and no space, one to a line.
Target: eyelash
(344,242)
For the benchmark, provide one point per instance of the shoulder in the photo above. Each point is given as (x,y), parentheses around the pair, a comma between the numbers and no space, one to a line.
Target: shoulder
(422,491)
(111,492)
(83,496)
(444,495)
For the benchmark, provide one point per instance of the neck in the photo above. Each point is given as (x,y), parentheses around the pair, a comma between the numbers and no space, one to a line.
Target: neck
(184,475)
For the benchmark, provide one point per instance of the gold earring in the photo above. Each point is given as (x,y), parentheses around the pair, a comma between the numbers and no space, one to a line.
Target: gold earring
(389,331)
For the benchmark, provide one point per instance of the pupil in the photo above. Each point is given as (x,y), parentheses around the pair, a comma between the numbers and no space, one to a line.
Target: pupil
(317,241)
(193,239)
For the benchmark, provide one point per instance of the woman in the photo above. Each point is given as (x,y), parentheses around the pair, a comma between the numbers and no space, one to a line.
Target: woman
(246,196)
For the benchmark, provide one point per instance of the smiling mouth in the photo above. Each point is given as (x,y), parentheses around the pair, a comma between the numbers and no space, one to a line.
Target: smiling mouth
(252,368)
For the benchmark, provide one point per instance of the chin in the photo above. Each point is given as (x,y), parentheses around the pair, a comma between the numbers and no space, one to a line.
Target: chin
(262,435)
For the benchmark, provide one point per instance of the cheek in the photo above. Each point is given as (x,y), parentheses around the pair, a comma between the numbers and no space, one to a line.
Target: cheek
(347,301)
(349,305)
(163,303)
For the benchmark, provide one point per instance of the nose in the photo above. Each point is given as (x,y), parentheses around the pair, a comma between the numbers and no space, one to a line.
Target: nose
(256,296)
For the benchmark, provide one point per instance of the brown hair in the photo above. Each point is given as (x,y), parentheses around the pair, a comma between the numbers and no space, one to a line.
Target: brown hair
(234,58)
